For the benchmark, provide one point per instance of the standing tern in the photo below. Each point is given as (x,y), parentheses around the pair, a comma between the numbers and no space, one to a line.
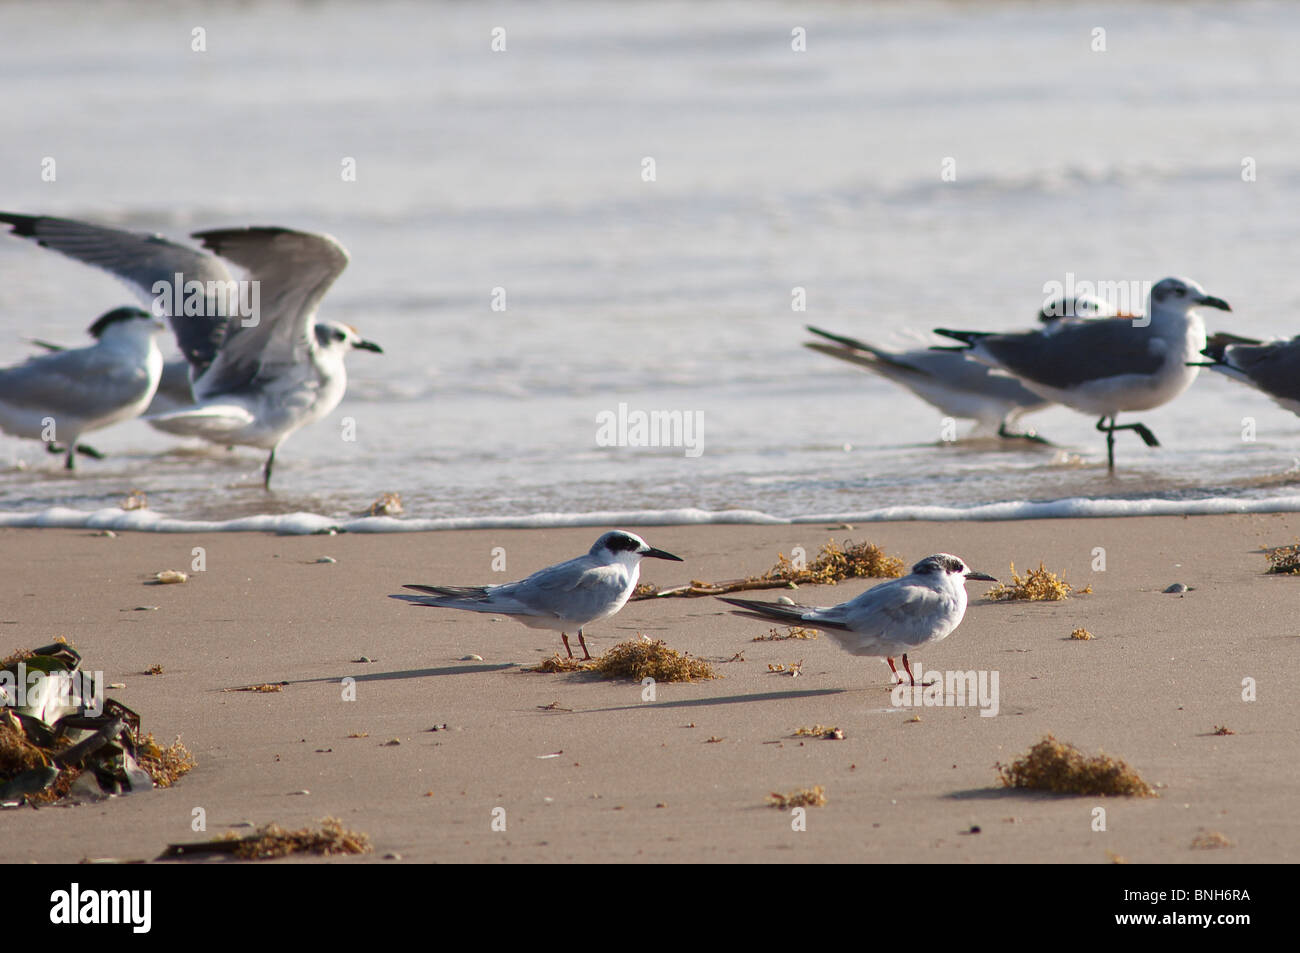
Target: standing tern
(890,619)
(1107,366)
(255,377)
(563,597)
(61,396)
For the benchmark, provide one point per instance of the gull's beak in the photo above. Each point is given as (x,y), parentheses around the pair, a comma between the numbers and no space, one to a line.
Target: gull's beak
(1209,301)
(982,576)
(660,554)
(368,346)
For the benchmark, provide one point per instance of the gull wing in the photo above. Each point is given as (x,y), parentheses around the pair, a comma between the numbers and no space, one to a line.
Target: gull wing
(1076,353)
(293,270)
(140,260)
(1273,368)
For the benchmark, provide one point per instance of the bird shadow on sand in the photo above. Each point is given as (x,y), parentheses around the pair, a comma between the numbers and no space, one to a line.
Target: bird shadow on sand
(409,673)
(717,700)
(998,793)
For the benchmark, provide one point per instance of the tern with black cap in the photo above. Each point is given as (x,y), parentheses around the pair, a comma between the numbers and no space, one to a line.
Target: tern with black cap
(565,597)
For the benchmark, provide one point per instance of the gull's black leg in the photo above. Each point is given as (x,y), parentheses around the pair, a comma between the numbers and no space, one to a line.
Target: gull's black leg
(270,462)
(91,452)
(1109,431)
(71,462)
(1006,434)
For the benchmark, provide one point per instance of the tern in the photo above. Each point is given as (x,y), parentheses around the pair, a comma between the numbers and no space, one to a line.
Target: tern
(565,597)
(890,619)
(61,396)
(255,377)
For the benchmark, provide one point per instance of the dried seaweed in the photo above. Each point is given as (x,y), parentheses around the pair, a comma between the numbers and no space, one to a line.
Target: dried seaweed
(1062,768)
(820,731)
(558,665)
(1082,635)
(646,658)
(165,765)
(273,841)
(1284,560)
(1037,585)
(833,564)
(793,632)
(804,797)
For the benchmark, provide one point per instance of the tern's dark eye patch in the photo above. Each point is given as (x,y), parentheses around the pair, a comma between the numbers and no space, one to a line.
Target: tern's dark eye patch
(622,542)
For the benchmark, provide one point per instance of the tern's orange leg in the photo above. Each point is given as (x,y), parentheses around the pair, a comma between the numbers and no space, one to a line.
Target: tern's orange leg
(565,636)
(908,669)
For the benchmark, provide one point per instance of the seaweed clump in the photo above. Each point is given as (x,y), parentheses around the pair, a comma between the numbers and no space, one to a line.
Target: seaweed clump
(836,563)
(1284,560)
(651,658)
(1037,585)
(1062,768)
(272,840)
(804,797)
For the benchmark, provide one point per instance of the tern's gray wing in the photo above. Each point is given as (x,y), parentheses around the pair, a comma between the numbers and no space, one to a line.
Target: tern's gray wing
(894,612)
(1077,352)
(1273,368)
(79,384)
(141,261)
(293,270)
(568,590)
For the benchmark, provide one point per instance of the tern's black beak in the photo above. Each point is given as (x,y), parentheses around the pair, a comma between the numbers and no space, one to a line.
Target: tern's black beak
(368,346)
(660,554)
(1209,301)
(981,576)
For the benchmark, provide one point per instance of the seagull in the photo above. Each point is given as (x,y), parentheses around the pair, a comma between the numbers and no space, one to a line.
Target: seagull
(566,596)
(890,619)
(1107,366)
(256,376)
(174,391)
(1272,367)
(73,392)
(956,385)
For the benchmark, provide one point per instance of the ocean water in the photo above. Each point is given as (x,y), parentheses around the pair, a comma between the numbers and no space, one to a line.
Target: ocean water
(774,169)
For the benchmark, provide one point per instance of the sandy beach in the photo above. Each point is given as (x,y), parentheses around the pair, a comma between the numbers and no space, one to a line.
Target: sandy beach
(586,770)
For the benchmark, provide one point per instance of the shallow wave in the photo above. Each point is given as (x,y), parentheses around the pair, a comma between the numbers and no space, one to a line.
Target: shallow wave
(303,524)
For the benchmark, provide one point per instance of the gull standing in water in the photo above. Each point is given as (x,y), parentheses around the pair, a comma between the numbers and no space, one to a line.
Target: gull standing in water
(1107,367)
(256,376)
